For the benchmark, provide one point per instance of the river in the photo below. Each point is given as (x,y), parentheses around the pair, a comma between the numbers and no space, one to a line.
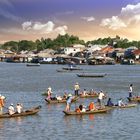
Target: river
(19,83)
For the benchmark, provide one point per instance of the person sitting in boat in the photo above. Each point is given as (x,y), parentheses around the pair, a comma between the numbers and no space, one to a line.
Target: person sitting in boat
(77,110)
(19,108)
(120,102)
(65,96)
(91,106)
(109,102)
(59,98)
(84,93)
(11,109)
(68,102)
(82,108)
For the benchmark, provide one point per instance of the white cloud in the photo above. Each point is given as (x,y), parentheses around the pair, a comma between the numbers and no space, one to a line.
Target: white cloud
(27,25)
(129,16)
(131,9)
(132,12)
(88,19)
(46,28)
(113,23)
(61,30)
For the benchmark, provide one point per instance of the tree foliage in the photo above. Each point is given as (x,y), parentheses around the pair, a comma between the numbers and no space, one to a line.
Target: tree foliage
(66,41)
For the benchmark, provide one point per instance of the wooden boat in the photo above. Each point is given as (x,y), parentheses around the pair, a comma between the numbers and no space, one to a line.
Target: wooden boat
(104,110)
(32,64)
(71,68)
(126,106)
(28,112)
(66,71)
(88,95)
(90,75)
(134,99)
(60,101)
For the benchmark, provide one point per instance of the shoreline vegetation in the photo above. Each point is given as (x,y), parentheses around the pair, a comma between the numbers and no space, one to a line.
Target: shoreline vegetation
(69,49)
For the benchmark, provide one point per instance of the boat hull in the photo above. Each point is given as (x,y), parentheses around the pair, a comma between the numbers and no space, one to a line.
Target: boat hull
(28,112)
(87,112)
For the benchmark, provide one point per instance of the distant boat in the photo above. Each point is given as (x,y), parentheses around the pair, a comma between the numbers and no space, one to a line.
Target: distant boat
(33,64)
(71,68)
(92,75)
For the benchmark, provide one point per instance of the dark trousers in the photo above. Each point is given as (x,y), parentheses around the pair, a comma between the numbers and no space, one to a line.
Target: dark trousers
(76,93)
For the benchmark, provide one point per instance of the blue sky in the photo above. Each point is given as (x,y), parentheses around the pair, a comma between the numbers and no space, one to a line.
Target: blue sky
(88,19)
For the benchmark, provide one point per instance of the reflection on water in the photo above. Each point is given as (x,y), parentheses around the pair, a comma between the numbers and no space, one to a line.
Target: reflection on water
(25,85)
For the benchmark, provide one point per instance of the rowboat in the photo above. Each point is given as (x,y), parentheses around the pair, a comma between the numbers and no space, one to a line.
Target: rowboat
(134,99)
(104,110)
(125,106)
(28,112)
(89,75)
(32,64)
(73,68)
(64,71)
(60,101)
(88,95)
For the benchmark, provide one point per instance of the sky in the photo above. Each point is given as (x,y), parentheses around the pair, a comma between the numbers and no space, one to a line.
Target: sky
(87,19)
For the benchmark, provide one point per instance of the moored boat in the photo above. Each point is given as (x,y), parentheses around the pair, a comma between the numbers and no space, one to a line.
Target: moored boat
(28,112)
(90,75)
(103,110)
(32,64)
(71,68)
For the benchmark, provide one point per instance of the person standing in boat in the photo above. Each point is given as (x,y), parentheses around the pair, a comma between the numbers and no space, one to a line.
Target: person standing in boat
(68,102)
(49,93)
(76,89)
(2,102)
(130,90)
(101,96)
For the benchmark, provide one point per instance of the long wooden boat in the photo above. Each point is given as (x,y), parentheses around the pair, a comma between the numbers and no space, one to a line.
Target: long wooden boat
(88,95)
(89,75)
(73,68)
(32,64)
(28,112)
(104,110)
(60,101)
(65,71)
(126,106)
(134,99)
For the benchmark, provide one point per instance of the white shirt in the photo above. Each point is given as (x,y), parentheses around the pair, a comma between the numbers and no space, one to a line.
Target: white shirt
(101,95)
(19,108)
(11,110)
(130,89)
(120,103)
